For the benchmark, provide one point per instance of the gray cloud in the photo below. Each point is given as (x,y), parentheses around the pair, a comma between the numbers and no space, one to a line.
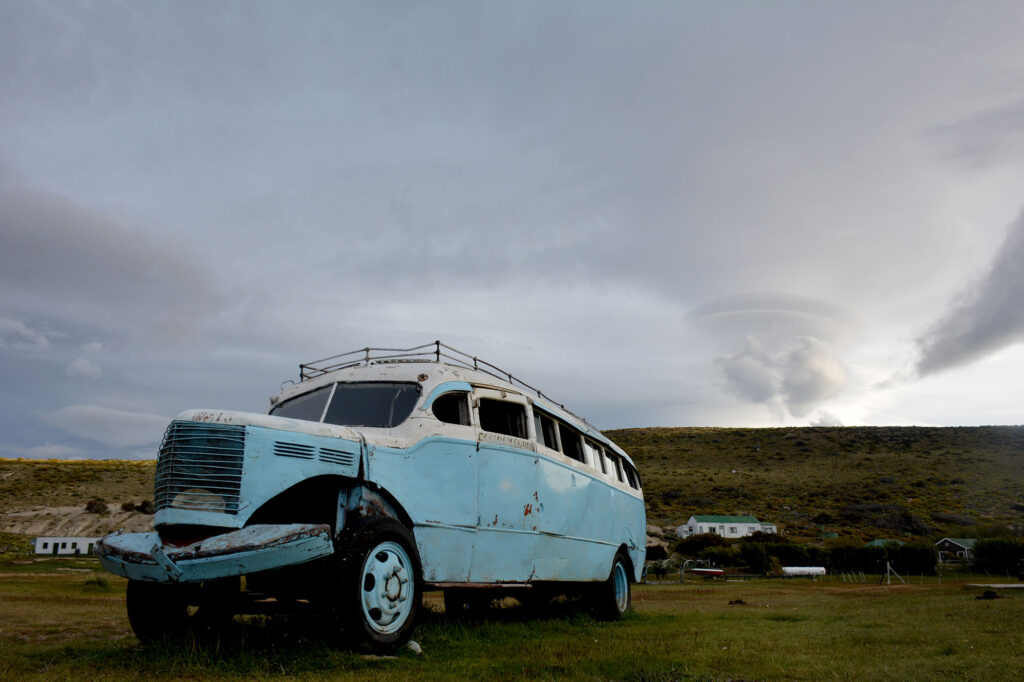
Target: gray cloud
(15,335)
(107,426)
(797,379)
(984,318)
(61,260)
(84,368)
(46,451)
(789,360)
(227,189)
(992,136)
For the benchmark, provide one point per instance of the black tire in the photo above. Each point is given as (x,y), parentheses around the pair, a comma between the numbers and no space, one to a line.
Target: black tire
(156,611)
(467,603)
(160,611)
(380,587)
(613,597)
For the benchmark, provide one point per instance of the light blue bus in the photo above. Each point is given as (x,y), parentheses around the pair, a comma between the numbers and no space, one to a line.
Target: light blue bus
(380,474)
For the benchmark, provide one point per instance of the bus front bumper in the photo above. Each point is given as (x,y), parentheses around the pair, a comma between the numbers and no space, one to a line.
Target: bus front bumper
(144,556)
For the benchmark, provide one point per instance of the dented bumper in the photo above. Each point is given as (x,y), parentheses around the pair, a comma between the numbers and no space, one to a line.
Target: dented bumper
(144,556)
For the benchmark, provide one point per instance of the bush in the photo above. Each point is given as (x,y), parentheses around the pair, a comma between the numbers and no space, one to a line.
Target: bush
(96,505)
(764,538)
(998,555)
(656,553)
(721,556)
(145,507)
(913,559)
(788,554)
(97,584)
(127,506)
(755,558)
(695,544)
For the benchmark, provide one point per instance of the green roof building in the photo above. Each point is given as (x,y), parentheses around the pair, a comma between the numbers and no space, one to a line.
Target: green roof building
(726,526)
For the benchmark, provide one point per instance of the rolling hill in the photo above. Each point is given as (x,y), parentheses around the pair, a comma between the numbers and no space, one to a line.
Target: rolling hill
(859,482)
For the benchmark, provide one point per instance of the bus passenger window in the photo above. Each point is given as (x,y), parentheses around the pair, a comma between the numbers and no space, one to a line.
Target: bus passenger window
(598,457)
(452,408)
(631,475)
(498,416)
(545,427)
(616,465)
(572,445)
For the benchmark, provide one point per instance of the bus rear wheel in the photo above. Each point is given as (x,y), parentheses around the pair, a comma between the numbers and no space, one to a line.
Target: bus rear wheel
(613,597)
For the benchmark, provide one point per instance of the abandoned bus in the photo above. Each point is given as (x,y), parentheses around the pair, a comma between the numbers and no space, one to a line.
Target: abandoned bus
(382,473)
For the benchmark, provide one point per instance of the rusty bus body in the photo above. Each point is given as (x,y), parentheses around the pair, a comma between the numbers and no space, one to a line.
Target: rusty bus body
(379,474)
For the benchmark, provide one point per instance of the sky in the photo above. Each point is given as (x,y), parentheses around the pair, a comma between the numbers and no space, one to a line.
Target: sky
(660,213)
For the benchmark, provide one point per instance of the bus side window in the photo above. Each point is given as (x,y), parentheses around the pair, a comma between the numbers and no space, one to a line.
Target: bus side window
(572,443)
(545,427)
(631,475)
(452,408)
(499,416)
(616,466)
(598,456)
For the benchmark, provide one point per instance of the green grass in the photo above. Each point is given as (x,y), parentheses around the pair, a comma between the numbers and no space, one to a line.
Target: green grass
(59,626)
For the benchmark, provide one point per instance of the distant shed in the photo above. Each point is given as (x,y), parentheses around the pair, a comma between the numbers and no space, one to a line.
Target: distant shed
(955,549)
(65,545)
(726,526)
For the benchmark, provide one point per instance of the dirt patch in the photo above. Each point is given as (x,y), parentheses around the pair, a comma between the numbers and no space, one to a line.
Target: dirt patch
(73,521)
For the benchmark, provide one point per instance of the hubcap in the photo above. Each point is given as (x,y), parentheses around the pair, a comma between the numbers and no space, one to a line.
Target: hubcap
(621,584)
(387,588)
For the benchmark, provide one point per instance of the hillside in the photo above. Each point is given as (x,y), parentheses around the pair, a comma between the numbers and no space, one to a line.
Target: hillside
(48,497)
(860,482)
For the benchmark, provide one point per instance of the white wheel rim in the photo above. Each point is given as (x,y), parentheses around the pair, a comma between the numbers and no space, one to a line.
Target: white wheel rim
(386,588)
(621,584)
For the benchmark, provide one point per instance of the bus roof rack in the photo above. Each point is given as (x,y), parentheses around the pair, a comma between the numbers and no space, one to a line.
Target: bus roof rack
(428,352)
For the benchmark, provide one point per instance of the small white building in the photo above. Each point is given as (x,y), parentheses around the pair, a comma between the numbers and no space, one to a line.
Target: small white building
(64,545)
(726,526)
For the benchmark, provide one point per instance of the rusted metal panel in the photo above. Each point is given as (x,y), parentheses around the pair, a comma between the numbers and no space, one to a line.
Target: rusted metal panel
(144,556)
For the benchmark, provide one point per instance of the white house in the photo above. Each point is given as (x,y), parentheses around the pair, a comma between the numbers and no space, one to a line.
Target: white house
(726,526)
(63,545)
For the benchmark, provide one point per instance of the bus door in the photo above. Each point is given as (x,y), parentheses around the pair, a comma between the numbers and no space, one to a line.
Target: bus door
(507,489)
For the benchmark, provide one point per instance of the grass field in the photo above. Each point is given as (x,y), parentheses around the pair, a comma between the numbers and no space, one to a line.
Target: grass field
(64,619)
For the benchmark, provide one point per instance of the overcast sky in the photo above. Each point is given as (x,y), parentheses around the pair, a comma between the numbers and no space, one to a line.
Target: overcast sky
(663,214)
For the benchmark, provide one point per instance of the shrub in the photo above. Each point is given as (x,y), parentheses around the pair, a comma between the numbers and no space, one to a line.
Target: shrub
(695,544)
(763,538)
(904,522)
(789,554)
(145,507)
(998,555)
(913,559)
(98,584)
(127,506)
(952,519)
(96,505)
(755,558)
(656,553)
(721,556)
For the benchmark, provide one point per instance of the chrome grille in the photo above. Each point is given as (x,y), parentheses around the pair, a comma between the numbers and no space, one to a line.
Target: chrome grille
(200,467)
